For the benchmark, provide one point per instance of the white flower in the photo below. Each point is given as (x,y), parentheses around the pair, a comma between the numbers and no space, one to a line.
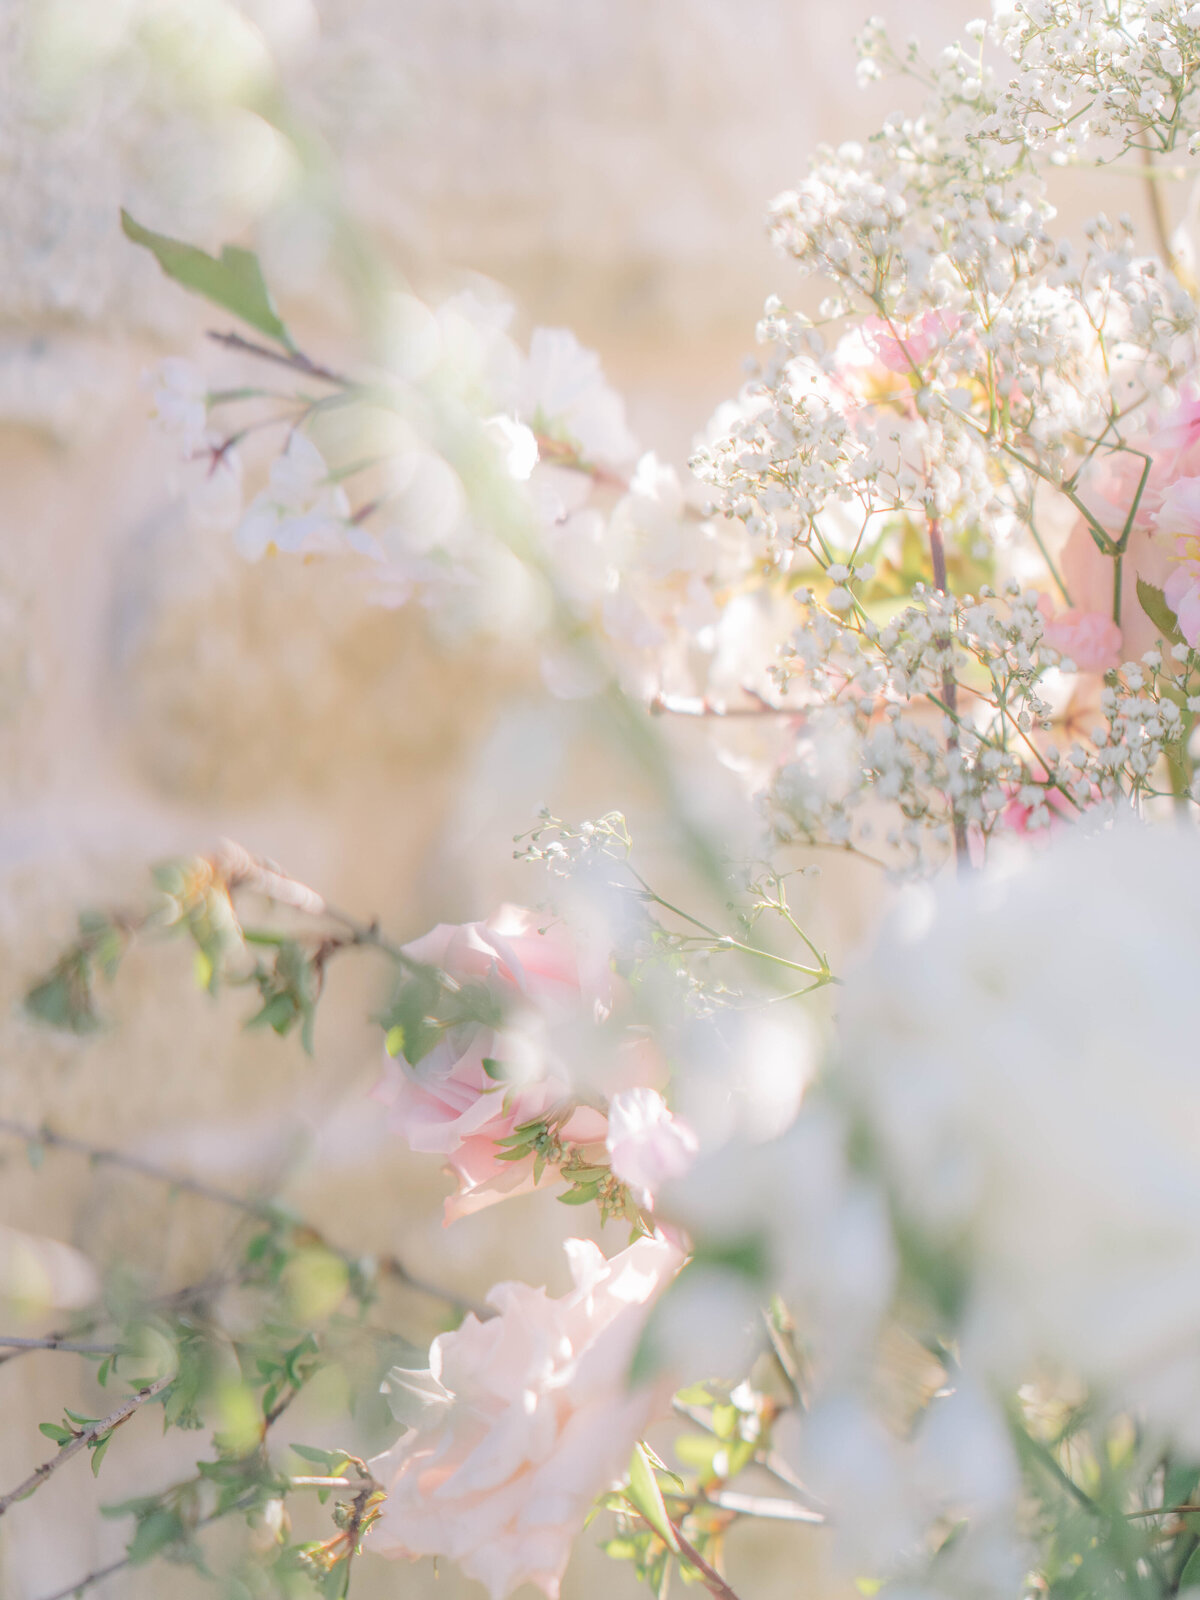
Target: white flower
(517,447)
(300,512)
(562,391)
(180,392)
(1024,1052)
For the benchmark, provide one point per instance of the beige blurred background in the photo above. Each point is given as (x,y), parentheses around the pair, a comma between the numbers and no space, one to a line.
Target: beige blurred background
(608,162)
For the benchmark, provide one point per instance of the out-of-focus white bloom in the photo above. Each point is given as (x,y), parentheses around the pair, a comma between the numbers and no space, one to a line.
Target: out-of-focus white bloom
(300,512)
(647,1146)
(516,444)
(851,1461)
(180,392)
(707,1325)
(822,1229)
(562,391)
(39,1274)
(1026,1063)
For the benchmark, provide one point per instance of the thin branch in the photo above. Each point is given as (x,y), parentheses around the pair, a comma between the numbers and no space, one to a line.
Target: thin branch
(357,1484)
(296,361)
(710,1577)
(768,1507)
(101,1155)
(53,1342)
(263,1210)
(1158,209)
(82,1439)
(90,1580)
(100,1573)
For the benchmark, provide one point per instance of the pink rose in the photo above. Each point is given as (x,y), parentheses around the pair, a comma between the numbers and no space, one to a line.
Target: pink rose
(1108,489)
(545,1016)
(521,1421)
(1181,591)
(1053,810)
(647,1146)
(901,351)
(1091,639)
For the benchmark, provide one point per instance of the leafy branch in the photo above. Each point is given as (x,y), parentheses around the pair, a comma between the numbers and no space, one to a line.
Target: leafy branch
(93,1436)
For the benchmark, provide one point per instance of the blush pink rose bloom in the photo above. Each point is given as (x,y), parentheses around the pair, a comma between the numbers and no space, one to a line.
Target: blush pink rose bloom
(1108,488)
(521,1421)
(1091,639)
(1182,593)
(647,1146)
(448,1105)
(912,346)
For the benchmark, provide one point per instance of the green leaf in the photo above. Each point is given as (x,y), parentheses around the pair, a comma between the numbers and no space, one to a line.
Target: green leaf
(1190,1576)
(333,1460)
(64,1000)
(52,1430)
(494,1069)
(580,1195)
(98,1451)
(1180,1484)
(278,1013)
(232,280)
(1154,603)
(647,1497)
(155,1531)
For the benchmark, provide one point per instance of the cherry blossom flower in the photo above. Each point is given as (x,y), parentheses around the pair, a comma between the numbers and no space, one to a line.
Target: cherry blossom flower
(300,512)
(562,391)
(180,392)
(521,1421)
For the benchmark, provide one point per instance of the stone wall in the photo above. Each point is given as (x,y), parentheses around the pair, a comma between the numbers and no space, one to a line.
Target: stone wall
(609,162)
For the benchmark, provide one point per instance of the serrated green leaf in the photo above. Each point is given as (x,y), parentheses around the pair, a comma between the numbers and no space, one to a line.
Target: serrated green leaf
(233,280)
(1154,603)
(647,1497)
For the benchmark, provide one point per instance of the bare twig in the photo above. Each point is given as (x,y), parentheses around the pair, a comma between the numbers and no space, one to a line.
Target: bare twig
(98,1576)
(296,361)
(710,1577)
(53,1342)
(264,1210)
(101,1155)
(90,1580)
(1158,210)
(82,1439)
(937,550)
(769,1507)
